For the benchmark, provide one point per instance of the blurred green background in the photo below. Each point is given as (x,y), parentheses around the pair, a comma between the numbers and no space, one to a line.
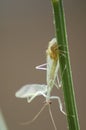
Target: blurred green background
(26,27)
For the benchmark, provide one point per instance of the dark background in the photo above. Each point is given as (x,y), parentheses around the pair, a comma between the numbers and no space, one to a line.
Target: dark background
(26,27)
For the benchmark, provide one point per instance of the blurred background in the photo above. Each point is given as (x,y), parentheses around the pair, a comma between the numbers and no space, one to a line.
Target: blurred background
(26,27)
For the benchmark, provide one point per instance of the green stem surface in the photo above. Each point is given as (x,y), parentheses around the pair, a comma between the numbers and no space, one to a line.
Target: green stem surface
(67,83)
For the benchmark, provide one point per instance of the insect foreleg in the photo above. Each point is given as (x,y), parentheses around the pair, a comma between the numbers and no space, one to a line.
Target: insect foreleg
(57,82)
(41,67)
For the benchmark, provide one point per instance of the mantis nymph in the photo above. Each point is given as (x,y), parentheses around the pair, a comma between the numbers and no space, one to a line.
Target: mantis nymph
(31,91)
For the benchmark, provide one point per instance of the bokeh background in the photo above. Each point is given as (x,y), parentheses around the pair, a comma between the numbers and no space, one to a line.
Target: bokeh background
(26,27)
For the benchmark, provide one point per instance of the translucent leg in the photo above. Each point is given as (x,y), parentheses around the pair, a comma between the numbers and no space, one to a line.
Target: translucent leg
(59,82)
(60,103)
(41,67)
(29,99)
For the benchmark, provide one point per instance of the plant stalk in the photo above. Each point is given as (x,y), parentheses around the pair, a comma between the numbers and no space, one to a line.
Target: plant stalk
(67,82)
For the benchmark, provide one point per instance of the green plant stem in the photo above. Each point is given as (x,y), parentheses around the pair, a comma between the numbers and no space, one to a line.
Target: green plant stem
(67,83)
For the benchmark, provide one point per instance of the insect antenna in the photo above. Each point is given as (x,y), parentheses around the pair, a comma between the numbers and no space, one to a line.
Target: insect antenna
(35,117)
(50,112)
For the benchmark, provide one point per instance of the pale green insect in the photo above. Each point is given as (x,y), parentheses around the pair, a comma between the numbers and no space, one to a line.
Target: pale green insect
(31,91)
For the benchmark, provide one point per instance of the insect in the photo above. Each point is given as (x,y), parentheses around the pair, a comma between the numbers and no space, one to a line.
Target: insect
(31,91)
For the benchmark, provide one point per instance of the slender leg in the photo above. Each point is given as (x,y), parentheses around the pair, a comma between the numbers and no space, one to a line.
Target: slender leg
(58,81)
(29,99)
(58,84)
(60,103)
(41,67)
